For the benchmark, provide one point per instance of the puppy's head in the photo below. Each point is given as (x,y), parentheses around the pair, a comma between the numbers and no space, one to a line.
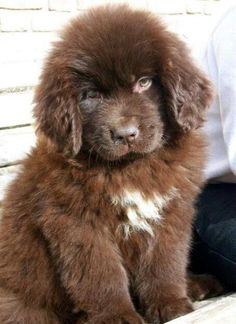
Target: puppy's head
(117,84)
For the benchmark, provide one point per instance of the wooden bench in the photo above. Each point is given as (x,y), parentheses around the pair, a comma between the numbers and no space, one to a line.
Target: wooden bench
(220,310)
(16,134)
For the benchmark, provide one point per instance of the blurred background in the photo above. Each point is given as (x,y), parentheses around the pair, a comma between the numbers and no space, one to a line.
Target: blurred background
(27,29)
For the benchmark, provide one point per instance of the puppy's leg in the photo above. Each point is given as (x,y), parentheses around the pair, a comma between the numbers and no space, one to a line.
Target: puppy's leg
(161,280)
(14,311)
(115,319)
(91,270)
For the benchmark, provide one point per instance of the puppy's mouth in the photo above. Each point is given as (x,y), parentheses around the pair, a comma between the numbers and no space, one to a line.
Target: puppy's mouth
(127,150)
(123,151)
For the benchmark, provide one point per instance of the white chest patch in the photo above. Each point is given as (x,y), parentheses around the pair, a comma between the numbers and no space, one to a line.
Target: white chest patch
(142,212)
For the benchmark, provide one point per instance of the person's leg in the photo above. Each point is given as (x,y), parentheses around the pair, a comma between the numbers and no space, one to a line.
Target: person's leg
(214,248)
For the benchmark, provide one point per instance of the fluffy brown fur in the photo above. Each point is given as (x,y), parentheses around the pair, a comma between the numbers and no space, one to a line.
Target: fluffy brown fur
(96,227)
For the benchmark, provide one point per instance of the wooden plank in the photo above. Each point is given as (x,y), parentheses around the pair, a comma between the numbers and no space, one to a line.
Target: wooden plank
(16,108)
(15,143)
(19,74)
(6,176)
(212,311)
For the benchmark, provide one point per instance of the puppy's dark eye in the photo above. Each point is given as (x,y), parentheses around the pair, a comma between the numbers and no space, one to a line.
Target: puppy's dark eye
(93,94)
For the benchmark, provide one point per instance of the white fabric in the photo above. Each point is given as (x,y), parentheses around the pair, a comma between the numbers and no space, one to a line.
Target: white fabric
(219,62)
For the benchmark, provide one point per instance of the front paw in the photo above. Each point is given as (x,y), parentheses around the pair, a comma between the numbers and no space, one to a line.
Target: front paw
(174,308)
(169,310)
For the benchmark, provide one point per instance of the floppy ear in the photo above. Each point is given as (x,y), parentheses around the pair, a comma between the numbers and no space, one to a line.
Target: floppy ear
(187,90)
(56,111)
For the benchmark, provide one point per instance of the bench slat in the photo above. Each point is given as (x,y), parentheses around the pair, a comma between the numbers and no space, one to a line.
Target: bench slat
(15,143)
(6,176)
(15,109)
(19,74)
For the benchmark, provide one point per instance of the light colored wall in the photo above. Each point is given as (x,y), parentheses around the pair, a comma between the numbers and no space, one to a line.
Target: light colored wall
(27,28)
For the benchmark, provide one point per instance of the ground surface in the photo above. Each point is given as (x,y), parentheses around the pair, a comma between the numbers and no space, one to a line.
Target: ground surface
(220,310)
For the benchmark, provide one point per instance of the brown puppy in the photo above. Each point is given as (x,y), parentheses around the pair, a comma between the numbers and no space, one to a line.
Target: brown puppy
(100,215)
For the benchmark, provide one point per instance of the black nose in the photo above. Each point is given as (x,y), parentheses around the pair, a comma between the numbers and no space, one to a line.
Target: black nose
(124,134)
